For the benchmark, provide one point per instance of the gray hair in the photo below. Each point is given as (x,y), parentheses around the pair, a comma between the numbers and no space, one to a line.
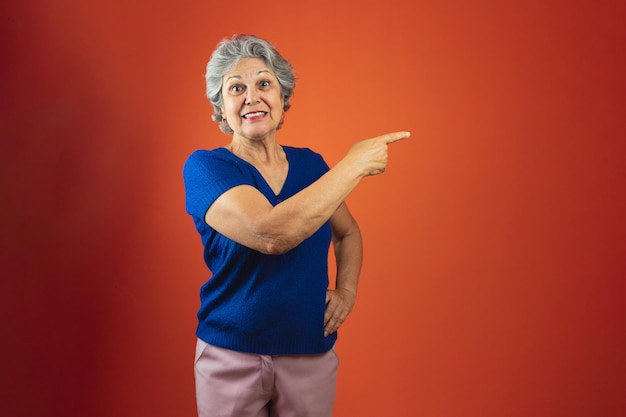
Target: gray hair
(227,55)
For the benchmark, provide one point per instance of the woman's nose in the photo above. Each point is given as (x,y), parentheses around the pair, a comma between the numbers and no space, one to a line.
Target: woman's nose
(252,96)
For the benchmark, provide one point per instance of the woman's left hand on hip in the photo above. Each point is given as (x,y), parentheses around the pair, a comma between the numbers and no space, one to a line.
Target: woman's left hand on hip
(339,303)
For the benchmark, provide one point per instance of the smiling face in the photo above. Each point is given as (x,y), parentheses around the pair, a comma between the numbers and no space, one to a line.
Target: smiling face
(253,104)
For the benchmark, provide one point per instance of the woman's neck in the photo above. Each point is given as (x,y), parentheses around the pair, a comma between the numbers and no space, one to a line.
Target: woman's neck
(266,151)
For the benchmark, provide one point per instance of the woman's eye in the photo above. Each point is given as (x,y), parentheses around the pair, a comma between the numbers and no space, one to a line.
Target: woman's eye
(236,88)
(265,83)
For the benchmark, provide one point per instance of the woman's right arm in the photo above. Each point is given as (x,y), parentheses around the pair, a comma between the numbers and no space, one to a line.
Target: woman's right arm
(244,215)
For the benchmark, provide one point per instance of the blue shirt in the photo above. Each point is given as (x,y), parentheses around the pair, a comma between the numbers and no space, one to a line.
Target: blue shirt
(257,303)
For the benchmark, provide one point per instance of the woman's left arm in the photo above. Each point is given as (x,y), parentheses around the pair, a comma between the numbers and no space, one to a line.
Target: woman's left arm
(348,248)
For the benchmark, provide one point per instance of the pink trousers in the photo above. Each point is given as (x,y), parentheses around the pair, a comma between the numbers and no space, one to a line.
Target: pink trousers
(235,384)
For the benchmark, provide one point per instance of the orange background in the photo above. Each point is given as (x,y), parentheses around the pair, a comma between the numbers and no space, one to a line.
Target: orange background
(493,281)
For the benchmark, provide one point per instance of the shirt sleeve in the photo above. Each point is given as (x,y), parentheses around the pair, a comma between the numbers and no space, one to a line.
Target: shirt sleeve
(208,175)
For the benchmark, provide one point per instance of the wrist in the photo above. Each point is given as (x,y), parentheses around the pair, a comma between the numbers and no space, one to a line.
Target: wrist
(349,290)
(348,169)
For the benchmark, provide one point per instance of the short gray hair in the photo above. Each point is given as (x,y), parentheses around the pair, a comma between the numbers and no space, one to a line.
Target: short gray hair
(227,55)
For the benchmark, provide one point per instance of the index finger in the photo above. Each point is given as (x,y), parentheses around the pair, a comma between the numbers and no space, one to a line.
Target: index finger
(393,137)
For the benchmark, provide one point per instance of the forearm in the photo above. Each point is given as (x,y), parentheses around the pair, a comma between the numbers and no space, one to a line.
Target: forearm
(349,258)
(349,255)
(289,223)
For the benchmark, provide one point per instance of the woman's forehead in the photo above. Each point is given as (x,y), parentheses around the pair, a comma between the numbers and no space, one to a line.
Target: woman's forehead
(248,66)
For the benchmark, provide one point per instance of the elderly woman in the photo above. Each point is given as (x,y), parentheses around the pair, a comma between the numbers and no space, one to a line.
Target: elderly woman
(266,214)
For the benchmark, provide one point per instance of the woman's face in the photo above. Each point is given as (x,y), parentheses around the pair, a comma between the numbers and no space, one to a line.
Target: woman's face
(253,104)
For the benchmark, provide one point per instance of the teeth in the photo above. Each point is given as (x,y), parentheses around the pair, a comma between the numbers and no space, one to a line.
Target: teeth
(257,114)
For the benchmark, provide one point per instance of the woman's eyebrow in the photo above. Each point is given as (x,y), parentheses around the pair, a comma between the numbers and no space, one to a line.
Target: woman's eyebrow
(239,76)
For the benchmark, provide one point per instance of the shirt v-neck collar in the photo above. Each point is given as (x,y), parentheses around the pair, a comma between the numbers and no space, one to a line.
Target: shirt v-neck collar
(277,196)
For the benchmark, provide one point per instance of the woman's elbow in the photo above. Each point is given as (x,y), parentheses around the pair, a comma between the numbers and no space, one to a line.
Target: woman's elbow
(273,240)
(276,247)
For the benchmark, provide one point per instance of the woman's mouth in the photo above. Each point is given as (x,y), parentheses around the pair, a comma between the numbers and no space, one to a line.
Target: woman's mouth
(254,115)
